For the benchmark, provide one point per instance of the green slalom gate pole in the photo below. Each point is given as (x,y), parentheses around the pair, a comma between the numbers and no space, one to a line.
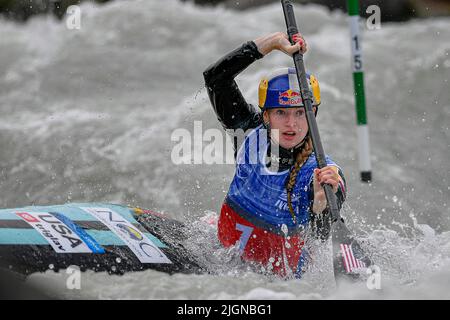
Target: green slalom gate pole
(360,99)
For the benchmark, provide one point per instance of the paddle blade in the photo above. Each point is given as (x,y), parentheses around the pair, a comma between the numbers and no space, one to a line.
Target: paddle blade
(349,259)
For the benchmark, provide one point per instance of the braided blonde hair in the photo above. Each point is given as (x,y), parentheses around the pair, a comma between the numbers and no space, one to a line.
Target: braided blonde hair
(302,156)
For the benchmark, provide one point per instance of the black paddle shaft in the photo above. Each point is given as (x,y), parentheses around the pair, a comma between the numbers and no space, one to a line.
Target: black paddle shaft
(308,102)
(340,234)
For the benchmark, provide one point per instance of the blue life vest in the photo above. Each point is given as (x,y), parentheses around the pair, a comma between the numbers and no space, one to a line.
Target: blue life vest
(259,195)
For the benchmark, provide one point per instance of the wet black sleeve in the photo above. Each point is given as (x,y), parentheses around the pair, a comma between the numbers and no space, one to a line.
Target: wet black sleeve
(229,105)
(321,223)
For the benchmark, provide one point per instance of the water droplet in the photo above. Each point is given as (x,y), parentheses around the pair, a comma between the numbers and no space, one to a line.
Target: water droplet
(284,229)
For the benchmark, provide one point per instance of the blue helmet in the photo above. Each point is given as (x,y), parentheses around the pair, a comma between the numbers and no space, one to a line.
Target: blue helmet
(280,89)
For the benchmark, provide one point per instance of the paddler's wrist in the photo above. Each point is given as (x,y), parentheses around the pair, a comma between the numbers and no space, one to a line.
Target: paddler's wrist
(265,44)
(251,48)
(319,203)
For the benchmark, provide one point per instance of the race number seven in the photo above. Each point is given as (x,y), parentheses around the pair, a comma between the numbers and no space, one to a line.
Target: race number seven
(245,236)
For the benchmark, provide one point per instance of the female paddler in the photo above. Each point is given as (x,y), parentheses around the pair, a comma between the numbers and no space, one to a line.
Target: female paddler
(276,195)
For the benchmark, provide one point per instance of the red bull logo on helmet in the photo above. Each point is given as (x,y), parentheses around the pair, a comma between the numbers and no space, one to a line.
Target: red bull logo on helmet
(290,98)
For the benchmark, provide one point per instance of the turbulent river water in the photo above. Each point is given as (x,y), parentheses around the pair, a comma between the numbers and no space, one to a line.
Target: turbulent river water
(88,115)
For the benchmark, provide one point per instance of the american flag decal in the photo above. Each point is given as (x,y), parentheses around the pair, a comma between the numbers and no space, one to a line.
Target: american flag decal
(351,263)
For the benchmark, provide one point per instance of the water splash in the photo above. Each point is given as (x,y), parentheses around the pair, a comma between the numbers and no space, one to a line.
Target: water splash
(87,116)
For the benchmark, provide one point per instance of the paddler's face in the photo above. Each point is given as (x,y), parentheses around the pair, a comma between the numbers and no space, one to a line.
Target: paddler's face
(291,124)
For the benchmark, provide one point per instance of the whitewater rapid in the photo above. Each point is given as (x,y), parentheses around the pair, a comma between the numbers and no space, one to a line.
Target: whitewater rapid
(87,115)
